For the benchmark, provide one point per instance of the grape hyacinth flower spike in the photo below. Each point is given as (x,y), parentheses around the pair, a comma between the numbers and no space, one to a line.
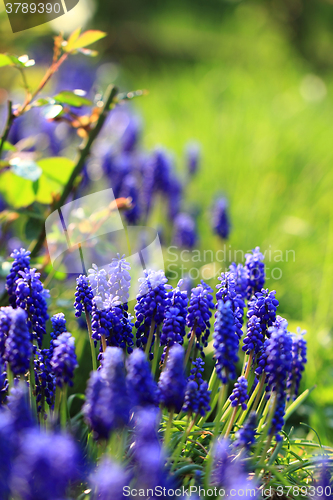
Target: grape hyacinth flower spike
(173,329)
(184,231)
(108,481)
(246,436)
(255,268)
(220,218)
(197,395)
(107,404)
(226,343)
(172,382)
(83,304)
(63,360)
(142,388)
(299,349)
(227,292)
(150,309)
(6,314)
(21,263)
(18,346)
(31,296)
(240,277)
(198,317)
(278,367)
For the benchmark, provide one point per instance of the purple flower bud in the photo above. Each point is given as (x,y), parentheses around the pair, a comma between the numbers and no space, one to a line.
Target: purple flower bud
(239,394)
(255,268)
(185,231)
(220,218)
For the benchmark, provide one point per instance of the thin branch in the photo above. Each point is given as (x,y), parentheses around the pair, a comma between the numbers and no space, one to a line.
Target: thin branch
(8,126)
(82,156)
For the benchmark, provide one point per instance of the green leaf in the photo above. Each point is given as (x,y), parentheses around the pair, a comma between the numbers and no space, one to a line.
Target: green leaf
(8,146)
(41,102)
(72,99)
(5,60)
(56,172)
(18,192)
(73,37)
(87,38)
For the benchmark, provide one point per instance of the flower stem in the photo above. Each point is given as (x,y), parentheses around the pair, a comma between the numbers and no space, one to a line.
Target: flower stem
(150,337)
(168,429)
(91,340)
(156,348)
(63,414)
(190,345)
(231,422)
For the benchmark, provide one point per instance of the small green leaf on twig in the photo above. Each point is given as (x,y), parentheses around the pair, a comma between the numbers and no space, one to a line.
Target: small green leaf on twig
(87,38)
(7,146)
(72,99)
(5,60)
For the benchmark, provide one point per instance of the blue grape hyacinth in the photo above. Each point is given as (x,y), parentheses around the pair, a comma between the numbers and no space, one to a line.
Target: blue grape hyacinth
(246,436)
(142,388)
(184,231)
(220,218)
(240,277)
(31,296)
(278,368)
(64,360)
(255,269)
(5,322)
(21,263)
(119,279)
(254,338)
(226,342)
(263,305)
(197,395)
(46,465)
(58,325)
(172,382)
(173,329)
(108,481)
(299,351)
(151,305)
(83,296)
(227,292)
(199,314)
(18,346)
(239,394)
(98,280)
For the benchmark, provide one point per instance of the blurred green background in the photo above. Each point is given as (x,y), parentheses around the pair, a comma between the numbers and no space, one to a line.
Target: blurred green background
(253,83)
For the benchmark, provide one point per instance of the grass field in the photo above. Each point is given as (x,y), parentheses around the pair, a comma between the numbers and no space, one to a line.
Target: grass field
(265,124)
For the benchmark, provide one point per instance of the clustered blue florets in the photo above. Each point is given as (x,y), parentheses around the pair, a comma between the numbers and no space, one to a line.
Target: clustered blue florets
(299,349)
(263,305)
(63,360)
(278,367)
(255,269)
(151,305)
(21,263)
(227,292)
(239,394)
(83,296)
(226,342)
(31,296)
(172,382)
(199,314)
(185,231)
(220,218)
(141,386)
(18,345)
(197,395)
